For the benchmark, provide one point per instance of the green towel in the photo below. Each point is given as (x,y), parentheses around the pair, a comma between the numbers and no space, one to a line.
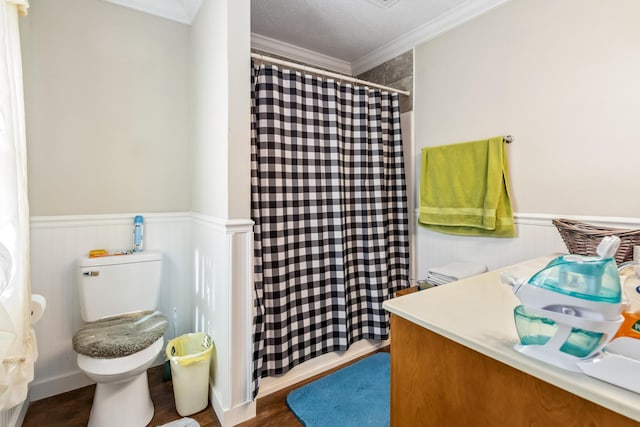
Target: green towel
(464,189)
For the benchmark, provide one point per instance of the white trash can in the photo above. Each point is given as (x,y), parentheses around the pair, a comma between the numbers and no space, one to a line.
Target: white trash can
(189,356)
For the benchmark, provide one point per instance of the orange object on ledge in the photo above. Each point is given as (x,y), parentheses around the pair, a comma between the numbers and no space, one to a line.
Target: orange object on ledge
(95,253)
(630,326)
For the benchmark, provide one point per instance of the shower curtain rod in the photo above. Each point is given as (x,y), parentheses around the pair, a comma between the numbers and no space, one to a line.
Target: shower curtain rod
(325,73)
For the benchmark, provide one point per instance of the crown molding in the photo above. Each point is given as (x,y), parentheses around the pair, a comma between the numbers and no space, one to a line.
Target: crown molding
(299,54)
(443,23)
(182,11)
(191,8)
(384,4)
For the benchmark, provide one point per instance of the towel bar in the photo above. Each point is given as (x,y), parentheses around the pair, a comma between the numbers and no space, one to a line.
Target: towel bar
(508,139)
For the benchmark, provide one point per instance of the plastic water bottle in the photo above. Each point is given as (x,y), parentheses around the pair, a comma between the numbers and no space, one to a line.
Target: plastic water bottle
(138,231)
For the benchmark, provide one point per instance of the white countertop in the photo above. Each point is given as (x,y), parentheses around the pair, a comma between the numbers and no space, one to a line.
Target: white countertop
(478,313)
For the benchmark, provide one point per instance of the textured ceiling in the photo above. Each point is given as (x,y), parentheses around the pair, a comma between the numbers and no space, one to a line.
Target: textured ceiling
(344,35)
(343,29)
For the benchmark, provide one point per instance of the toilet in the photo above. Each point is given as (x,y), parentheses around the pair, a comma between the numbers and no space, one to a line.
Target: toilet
(123,335)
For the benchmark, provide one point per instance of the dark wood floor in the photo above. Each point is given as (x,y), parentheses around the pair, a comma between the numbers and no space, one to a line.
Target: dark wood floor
(72,408)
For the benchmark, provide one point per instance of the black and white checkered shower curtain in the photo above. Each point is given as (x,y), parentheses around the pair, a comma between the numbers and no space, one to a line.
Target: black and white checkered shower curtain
(330,211)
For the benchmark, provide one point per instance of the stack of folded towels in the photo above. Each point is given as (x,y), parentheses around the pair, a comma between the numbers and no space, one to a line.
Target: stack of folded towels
(453,271)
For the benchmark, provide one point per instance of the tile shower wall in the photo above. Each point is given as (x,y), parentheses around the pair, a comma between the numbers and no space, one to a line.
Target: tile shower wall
(396,73)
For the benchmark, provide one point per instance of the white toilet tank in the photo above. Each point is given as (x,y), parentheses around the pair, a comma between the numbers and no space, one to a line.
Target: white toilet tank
(112,285)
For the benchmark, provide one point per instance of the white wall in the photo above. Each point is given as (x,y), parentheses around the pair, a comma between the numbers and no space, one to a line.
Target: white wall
(107,135)
(239,155)
(106,96)
(209,75)
(562,78)
(220,121)
(406,124)
(220,105)
(128,113)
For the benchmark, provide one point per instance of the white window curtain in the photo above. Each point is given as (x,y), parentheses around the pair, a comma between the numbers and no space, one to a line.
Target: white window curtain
(17,339)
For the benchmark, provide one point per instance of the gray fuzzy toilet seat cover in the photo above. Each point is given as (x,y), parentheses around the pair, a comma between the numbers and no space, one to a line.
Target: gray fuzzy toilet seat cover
(120,336)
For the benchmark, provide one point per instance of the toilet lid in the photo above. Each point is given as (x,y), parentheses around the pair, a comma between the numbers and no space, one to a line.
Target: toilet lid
(120,336)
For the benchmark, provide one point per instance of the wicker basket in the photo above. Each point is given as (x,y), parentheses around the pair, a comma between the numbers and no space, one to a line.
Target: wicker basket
(583,239)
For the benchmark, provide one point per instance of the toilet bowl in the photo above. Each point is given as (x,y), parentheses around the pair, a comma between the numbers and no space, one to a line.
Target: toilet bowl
(123,335)
(121,383)
(116,352)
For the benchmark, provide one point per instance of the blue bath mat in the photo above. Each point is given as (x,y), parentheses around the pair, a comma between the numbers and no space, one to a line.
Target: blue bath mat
(355,396)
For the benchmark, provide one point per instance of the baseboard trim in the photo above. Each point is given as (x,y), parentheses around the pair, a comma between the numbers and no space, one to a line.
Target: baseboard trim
(58,385)
(231,417)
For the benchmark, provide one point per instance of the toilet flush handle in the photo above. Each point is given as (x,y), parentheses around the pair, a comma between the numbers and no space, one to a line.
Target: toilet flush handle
(91,273)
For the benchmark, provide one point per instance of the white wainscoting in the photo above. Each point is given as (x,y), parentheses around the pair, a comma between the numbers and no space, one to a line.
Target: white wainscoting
(206,286)
(56,244)
(202,255)
(13,417)
(536,236)
(223,255)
